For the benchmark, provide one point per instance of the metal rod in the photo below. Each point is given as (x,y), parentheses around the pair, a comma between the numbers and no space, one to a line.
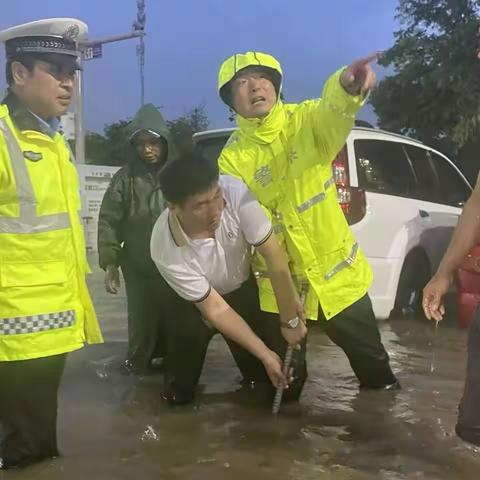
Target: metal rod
(287,361)
(139,26)
(141,61)
(79,120)
(277,400)
(115,38)
(142,86)
(434,345)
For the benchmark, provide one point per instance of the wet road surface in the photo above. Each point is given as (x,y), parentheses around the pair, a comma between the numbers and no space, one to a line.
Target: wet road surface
(116,426)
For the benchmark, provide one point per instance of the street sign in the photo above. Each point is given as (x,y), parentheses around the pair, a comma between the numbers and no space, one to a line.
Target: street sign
(95,51)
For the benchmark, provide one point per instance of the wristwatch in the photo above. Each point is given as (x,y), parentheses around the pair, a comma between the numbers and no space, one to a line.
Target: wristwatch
(292,323)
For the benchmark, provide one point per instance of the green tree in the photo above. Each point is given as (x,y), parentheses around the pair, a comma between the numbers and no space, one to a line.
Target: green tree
(434,91)
(112,148)
(95,148)
(183,128)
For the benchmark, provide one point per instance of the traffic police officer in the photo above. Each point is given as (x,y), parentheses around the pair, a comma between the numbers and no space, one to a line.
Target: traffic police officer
(45,307)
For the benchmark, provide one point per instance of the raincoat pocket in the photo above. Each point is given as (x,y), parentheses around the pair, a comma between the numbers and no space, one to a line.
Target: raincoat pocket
(25,274)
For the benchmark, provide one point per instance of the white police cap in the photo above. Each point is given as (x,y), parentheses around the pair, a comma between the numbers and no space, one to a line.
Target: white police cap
(51,35)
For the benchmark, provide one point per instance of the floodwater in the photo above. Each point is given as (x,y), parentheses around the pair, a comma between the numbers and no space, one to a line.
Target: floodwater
(116,426)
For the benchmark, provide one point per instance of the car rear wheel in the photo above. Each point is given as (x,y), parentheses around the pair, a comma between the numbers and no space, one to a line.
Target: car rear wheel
(415,274)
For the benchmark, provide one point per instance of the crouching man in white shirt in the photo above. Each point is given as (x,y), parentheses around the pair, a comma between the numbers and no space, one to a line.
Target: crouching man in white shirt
(201,245)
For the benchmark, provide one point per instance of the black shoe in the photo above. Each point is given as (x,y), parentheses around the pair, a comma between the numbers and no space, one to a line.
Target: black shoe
(469,435)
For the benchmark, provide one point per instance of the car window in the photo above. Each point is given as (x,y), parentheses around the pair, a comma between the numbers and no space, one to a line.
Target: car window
(211,147)
(427,180)
(383,167)
(453,189)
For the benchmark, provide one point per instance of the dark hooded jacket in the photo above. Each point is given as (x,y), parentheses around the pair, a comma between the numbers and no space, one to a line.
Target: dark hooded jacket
(133,202)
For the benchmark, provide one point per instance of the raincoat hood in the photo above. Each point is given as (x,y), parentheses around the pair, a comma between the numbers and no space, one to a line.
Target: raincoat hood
(148,119)
(238,62)
(261,130)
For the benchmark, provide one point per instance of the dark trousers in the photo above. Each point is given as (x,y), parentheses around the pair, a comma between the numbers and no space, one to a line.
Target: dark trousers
(189,336)
(355,331)
(468,423)
(148,296)
(28,409)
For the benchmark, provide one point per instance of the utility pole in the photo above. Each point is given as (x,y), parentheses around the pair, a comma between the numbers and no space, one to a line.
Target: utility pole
(139,26)
(93,49)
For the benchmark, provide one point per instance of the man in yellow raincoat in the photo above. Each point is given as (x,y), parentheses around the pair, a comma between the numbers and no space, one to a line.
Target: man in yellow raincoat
(283,152)
(45,307)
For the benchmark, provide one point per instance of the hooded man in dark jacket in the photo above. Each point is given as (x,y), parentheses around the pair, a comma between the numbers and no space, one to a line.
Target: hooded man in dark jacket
(130,207)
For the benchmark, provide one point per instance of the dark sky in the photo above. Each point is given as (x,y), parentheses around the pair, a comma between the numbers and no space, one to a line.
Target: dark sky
(188,40)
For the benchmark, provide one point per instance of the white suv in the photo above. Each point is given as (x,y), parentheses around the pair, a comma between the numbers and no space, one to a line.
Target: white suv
(402,200)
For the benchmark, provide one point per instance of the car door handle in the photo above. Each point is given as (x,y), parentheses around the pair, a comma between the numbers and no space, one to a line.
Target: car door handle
(423,213)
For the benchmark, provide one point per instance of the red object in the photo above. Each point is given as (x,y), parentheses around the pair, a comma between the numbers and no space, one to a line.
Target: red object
(467,304)
(467,280)
(351,199)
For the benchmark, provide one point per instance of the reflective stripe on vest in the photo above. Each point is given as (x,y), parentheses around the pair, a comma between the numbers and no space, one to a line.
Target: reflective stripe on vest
(28,220)
(339,267)
(317,198)
(344,264)
(36,323)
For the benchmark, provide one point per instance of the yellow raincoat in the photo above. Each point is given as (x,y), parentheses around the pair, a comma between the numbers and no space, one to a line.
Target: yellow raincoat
(285,159)
(45,307)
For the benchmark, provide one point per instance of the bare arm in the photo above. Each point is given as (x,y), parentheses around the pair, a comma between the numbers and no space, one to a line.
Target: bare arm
(465,237)
(286,295)
(227,321)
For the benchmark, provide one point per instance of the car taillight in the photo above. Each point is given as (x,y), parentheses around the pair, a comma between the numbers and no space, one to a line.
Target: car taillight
(351,199)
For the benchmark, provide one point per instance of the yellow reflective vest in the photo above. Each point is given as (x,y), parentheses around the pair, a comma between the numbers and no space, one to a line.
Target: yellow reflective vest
(285,159)
(45,307)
